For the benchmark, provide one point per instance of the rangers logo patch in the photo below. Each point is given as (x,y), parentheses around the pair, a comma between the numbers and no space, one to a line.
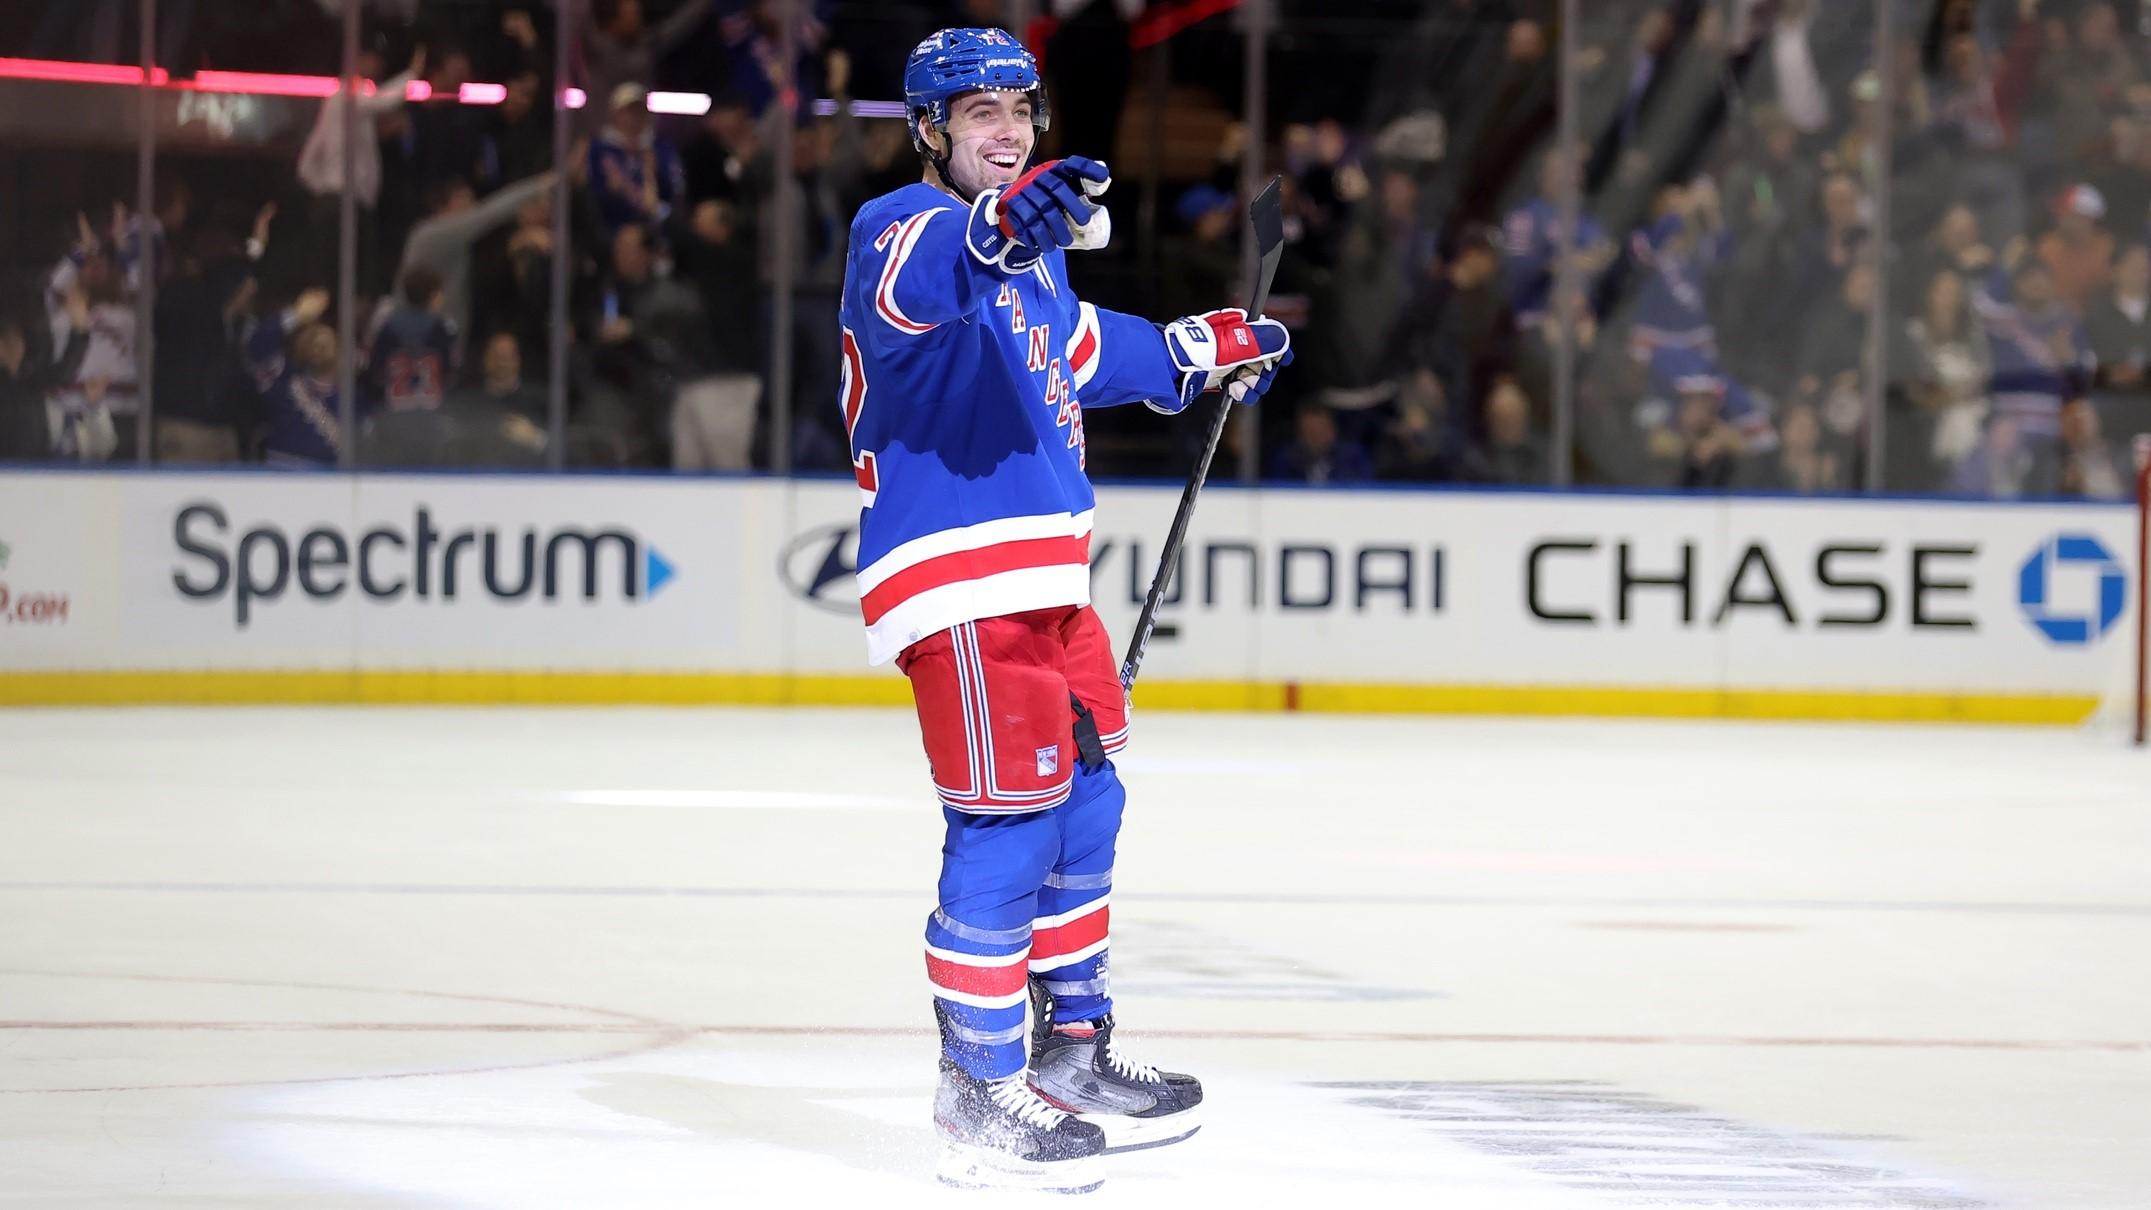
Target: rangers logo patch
(1049,761)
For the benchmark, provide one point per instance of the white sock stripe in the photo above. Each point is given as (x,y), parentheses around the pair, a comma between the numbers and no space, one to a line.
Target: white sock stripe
(986,1037)
(1074,913)
(980,960)
(956,997)
(983,936)
(1080,882)
(1054,962)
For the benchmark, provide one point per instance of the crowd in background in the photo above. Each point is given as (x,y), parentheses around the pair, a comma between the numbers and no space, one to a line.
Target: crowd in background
(1750,185)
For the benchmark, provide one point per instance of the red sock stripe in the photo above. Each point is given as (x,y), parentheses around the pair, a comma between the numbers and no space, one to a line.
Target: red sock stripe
(1070,937)
(978,980)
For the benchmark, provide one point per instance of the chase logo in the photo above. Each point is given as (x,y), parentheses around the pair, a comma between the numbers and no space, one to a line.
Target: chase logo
(2051,588)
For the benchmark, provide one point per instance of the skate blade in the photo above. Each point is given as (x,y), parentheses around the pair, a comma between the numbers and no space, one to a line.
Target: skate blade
(1124,1134)
(979,1168)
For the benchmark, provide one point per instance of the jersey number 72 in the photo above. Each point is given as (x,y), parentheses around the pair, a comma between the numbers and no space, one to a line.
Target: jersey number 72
(853,392)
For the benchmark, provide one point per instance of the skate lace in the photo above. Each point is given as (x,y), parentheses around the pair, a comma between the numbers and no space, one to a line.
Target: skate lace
(1128,1068)
(1014,1095)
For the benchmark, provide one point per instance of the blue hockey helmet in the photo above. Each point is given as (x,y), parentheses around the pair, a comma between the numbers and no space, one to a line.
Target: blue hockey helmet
(958,61)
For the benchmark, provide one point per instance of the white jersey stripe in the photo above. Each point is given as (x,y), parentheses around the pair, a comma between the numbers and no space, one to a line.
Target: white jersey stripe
(937,609)
(972,537)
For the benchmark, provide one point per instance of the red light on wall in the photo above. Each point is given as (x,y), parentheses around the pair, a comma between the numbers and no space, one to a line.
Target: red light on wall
(267,84)
(77,73)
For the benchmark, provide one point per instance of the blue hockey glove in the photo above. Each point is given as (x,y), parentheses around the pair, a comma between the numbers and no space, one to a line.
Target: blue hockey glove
(1224,349)
(1051,206)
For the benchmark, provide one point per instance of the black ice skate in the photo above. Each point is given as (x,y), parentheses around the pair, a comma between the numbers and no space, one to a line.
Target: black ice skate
(998,1134)
(1077,1068)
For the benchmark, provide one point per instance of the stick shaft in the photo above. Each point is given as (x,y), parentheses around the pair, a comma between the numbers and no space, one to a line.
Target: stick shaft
(1263,213)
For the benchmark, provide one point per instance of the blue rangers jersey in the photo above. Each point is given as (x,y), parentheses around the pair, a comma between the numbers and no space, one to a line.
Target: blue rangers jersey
(963,386)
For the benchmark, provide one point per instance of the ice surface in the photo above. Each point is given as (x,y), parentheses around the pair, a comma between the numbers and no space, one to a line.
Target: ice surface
(533,958)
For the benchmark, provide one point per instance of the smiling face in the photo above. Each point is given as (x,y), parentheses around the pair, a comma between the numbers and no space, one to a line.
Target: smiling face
(990,137)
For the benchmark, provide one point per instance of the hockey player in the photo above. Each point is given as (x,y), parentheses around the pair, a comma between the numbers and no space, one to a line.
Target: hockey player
(967,363)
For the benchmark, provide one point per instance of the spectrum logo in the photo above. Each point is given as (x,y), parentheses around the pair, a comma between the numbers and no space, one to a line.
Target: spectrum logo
(424,562)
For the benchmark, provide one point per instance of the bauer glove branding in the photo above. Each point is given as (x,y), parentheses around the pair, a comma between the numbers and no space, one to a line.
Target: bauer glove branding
(1224,349)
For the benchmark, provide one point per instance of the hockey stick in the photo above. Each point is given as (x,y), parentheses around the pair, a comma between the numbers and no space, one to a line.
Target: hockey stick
(1266,215)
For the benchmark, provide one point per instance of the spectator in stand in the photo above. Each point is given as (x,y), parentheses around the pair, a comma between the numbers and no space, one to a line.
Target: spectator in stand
(2042,359)
(1804,464)
(1684,242)
(443,241)
(514,287)
(1770,197)
(2090,466)
(635,176)
(1943,367)
(1533,235)
(501,390)
(753,36)
(321,161)
(2078,253)
(713,423)
(499,421)
(1833,360)
(518,140)
(1955,245)
(450,136)
(618,48)
(1201,266)
(651,340)
(293,356)
(95,416)
(1703,424)
(2090,78)
(1318,455)
(2120,330)
(207,402)
(1511,454)
(25,428)
(715,162)
(1978,106)
(1418,445)
(1374,259)
(1841,242)
(2001,468)
(1709,448)
(1459,325)
(411,352)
